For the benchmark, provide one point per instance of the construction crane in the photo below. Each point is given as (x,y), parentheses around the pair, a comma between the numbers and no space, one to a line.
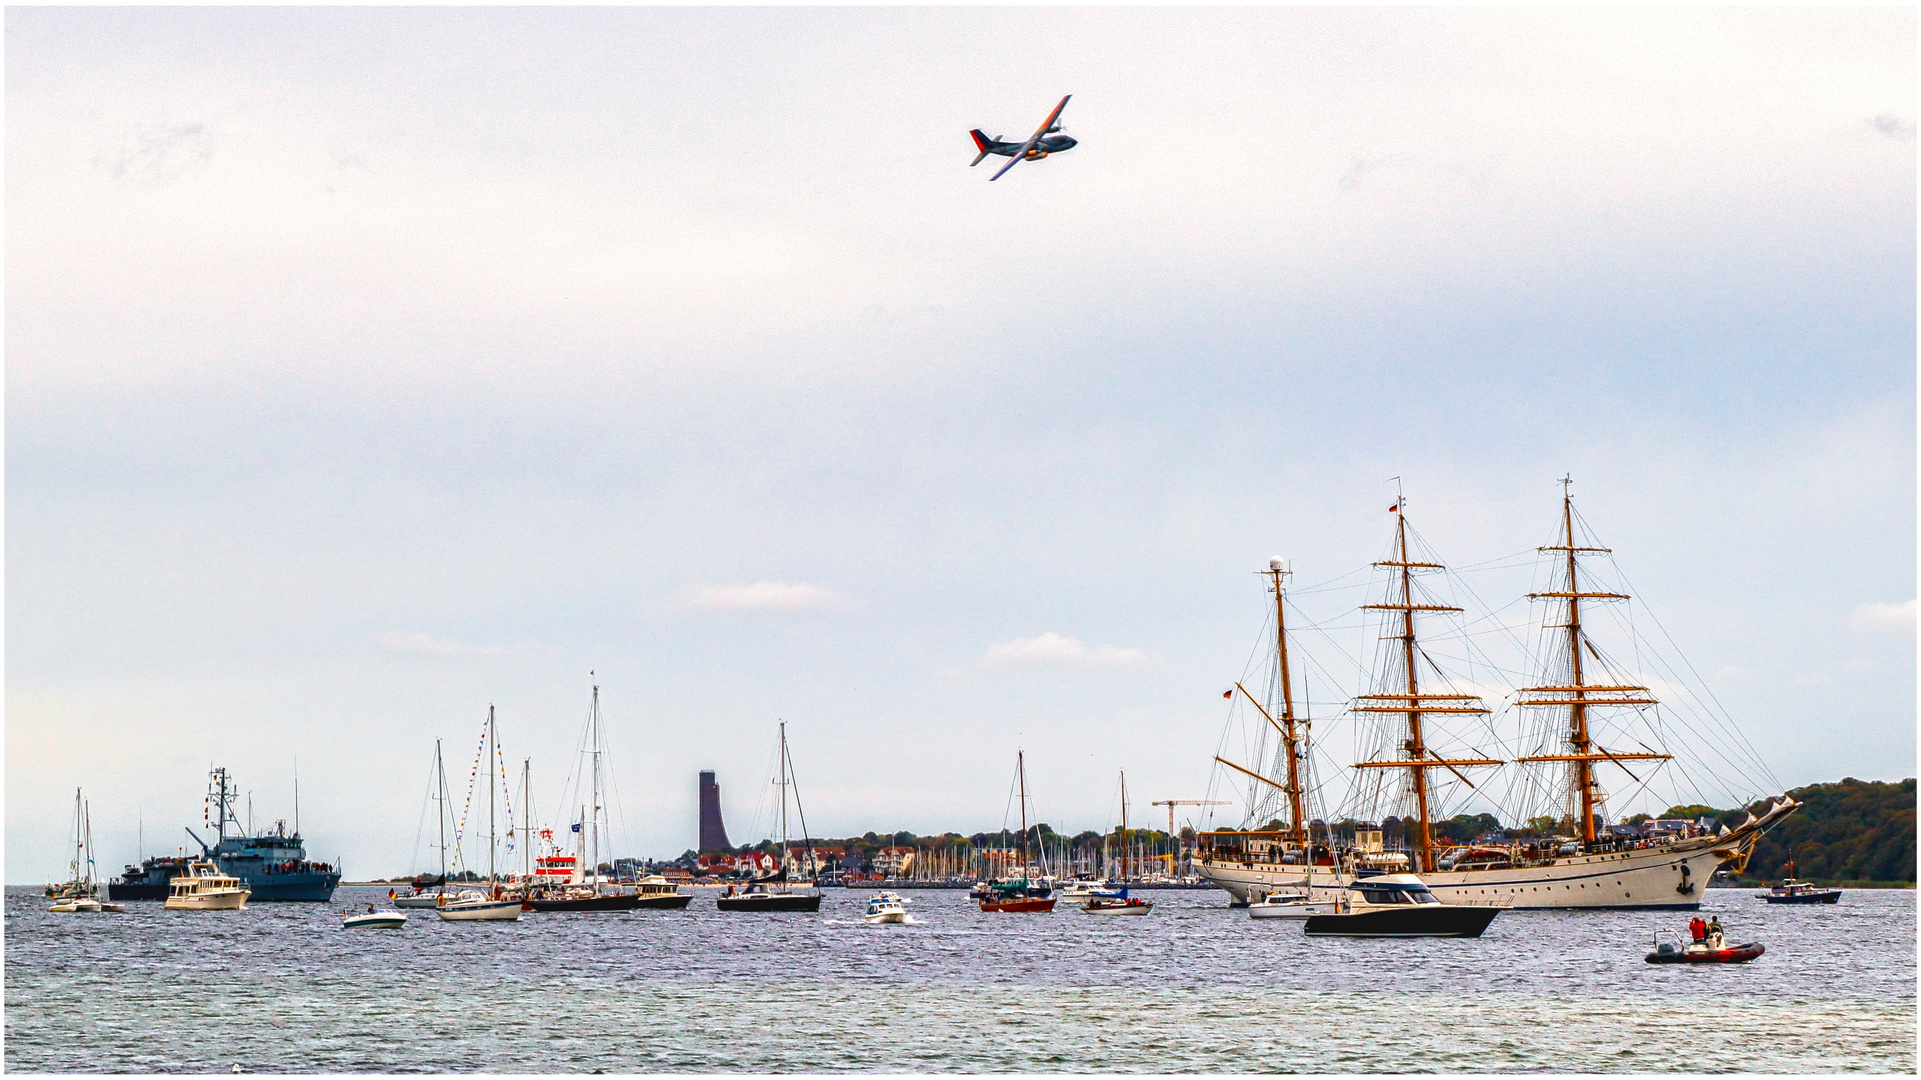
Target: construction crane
(1172,803)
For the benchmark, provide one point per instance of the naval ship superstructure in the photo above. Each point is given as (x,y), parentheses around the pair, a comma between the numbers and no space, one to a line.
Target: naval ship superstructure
(1410,756)
(273,864)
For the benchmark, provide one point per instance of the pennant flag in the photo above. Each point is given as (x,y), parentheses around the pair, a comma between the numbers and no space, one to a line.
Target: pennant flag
(1229,694)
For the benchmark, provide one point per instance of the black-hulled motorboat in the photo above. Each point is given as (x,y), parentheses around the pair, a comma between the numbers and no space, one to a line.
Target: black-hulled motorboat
(1398,905)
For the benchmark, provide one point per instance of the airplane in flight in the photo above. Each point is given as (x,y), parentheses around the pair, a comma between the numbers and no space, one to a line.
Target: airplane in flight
(1042,143)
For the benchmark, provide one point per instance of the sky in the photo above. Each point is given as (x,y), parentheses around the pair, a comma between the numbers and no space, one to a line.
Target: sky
(367,368)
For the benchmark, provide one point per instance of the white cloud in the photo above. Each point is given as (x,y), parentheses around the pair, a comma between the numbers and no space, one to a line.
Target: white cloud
(433,646)
(1879,618)
(760,596)
(1052,648)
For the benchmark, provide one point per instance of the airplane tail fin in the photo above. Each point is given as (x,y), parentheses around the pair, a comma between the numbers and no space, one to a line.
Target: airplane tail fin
(981,143)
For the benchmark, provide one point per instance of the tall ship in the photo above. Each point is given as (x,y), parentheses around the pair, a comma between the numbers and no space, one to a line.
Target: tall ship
(273,865)
(1424,741)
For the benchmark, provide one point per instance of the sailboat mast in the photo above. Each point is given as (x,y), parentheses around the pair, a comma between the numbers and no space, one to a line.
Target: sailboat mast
(527,816)
(440,770)
(1290,736)
(594,841)
(489,748)
(1124,851)
(783,796)
(1020,771)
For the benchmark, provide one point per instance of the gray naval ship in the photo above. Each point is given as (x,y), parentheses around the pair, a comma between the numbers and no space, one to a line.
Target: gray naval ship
(273,864)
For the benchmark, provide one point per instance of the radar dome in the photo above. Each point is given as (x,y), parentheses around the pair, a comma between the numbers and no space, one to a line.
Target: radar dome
(1277,563)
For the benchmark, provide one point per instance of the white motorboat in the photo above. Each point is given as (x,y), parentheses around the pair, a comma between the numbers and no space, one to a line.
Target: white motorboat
(204,888)
(886,908)
(1080,892)
(472,905)
(372,919)
(80,904)
(416,900)
(1289,906)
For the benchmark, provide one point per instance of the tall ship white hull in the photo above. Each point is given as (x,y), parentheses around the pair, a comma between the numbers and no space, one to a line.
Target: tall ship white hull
(1665,876)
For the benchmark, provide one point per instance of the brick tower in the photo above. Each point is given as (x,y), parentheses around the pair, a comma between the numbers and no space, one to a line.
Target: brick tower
(713,831)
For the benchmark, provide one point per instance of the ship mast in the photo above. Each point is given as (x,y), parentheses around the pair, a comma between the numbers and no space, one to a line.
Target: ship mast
(440,769)
(1578,695)
(1020,770)
(1124,826)
(1290,734)
(492,748)
(1417,757)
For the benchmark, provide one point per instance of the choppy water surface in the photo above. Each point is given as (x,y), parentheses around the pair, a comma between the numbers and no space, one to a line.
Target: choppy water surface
(1192,987)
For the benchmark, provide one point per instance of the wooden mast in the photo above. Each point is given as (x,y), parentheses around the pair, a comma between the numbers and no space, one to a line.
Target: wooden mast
(1584,790)
(1290,736)
(1417,756)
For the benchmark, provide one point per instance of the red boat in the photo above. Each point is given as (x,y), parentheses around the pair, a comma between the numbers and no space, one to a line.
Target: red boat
(1017,903)
(1704,952)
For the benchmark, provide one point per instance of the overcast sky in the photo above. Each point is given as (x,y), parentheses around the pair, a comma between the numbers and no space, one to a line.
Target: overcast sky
(367,367)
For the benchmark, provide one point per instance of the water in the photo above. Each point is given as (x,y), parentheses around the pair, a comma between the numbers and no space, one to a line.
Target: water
(1192,987)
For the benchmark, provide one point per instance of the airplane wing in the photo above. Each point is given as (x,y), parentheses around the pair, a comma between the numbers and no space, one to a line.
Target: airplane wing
(1048,124)
(1033,140)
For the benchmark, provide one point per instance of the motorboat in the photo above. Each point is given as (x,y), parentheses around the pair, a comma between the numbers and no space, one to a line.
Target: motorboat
(204,888)
(1397,905)
(1289,906)
(655,891)
(885,907)
(1791,891)
(1711,949)
(474,905)
(1081,891)
(415,899)
(372,919)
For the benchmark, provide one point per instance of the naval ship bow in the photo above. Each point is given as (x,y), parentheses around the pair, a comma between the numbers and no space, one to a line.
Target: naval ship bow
(1409,762)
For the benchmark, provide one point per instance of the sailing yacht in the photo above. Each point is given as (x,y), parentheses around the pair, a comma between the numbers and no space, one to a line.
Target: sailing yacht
(1119,903)
(489,903)
(779,891)
(418,896)
(80,893)
(585,889)
(1404,724)
(1019,895)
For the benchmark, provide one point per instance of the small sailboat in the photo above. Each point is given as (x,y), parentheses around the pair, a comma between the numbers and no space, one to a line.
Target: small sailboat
(1020,895)
(418,896)
(80,894)
(1120,904)
(779,891)
(585,890)
(489,904)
